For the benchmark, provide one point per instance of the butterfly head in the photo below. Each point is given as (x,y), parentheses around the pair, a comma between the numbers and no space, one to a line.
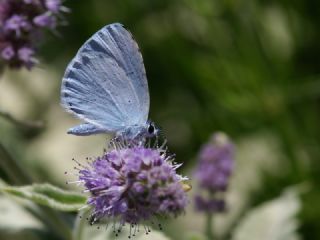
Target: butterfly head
(151,130)
(138,132)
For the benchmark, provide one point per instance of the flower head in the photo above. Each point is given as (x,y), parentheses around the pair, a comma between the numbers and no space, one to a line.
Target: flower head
(21,24)
(215,165)
(133,184)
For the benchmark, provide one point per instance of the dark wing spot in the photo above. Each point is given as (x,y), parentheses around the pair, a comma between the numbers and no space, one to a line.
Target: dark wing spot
(85,60)
(96,46)
(76,65)
(76,110)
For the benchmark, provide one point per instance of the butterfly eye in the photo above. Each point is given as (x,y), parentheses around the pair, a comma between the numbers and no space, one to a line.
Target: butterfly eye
(150,129)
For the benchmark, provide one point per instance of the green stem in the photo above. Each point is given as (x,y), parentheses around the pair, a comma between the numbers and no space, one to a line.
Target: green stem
(26,125)
(79,224)
(18,176)
(208,229)
(52,219)
(13,169)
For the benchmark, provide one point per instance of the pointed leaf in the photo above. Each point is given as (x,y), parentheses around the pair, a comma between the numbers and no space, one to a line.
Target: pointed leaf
(26,228)
(49,195)
(274,220)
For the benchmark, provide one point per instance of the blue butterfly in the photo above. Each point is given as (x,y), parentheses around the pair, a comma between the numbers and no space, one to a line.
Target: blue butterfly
(105,85)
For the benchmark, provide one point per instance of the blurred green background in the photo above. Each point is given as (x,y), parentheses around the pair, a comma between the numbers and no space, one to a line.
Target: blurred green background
(248,68)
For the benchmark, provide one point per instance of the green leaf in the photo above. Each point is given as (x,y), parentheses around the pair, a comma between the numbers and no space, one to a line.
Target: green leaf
(273,220)
(258,155)
(11,211)
(196,236)
(27,227)
(48,195)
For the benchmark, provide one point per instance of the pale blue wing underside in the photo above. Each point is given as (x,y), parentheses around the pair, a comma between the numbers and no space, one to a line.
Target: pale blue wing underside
(105,84)
(85,130)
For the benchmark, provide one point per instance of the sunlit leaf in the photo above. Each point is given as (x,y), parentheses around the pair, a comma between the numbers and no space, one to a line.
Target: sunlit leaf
(16,223)
(48,195)
(273,220)
(11,211)
(256,155)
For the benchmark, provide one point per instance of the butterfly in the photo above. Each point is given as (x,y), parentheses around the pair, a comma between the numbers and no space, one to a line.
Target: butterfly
(105,85)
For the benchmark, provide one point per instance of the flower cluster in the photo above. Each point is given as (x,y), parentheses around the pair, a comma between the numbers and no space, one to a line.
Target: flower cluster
(21,24)
(133,185)
(215,165)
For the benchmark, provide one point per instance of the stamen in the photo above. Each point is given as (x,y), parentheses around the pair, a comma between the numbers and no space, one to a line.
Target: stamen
(145,229)
(130,231)
(135,230)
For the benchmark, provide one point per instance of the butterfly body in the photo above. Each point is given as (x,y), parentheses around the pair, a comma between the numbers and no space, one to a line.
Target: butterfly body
(105,85)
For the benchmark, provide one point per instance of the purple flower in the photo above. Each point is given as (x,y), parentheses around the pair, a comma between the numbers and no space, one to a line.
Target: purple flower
(45,20)
(21,24)
(53,5)
(133,185)
(17,23)
(215,165)
(26,55)
(7,53)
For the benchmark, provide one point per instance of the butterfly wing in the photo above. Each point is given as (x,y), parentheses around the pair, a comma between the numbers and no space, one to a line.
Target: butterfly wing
(85,129)
(105,84)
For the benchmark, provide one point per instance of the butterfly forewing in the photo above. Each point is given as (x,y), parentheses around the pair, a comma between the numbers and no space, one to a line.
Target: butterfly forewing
(105,84)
